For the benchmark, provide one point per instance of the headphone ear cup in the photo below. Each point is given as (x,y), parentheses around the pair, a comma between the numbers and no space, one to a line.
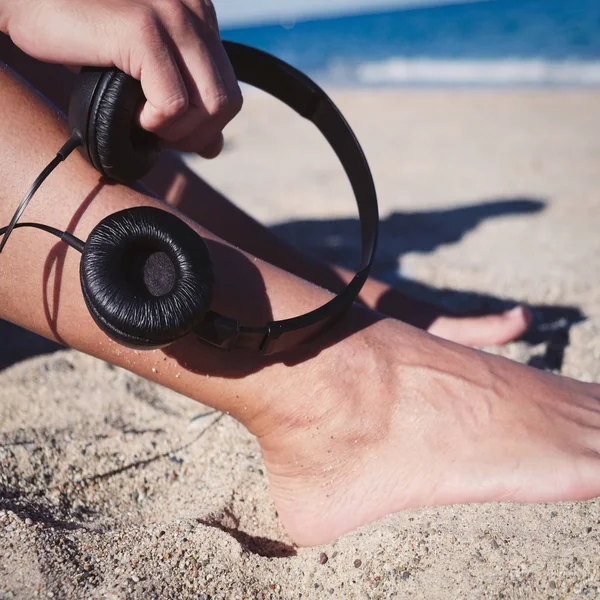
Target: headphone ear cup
(146,277)
(119,148)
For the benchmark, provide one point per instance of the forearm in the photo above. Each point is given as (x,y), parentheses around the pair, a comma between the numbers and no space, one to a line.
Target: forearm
(35,267)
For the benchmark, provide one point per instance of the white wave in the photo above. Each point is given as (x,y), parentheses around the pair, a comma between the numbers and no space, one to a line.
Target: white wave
(401,71)
(242,13)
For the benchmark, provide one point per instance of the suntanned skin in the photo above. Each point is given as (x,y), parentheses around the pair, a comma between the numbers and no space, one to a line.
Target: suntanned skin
(371,418)
(172,181)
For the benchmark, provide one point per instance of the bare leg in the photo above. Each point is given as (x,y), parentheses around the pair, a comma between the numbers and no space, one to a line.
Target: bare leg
(181,188)
(373,417)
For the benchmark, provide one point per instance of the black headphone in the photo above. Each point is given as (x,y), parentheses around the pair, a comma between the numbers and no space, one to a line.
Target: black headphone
(146,276)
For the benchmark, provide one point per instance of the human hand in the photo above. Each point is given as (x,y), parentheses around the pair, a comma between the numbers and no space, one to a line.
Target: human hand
(172,47)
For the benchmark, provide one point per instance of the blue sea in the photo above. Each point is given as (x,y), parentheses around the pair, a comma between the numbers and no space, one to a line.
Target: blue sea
(493,43)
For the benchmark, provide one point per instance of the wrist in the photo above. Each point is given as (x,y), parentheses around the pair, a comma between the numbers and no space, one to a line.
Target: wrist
(318,376)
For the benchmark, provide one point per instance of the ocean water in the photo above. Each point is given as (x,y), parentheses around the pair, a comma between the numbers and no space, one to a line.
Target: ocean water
(493,43)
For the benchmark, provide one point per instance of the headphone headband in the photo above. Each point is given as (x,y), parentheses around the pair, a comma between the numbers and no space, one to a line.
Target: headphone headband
(290,86)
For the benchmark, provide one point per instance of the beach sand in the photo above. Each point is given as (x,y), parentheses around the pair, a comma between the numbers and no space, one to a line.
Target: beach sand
(112,487)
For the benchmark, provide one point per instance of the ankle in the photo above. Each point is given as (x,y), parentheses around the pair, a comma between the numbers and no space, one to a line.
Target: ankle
(331,398)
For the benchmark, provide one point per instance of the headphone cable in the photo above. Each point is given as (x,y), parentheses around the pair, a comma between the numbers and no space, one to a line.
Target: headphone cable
(73,142)
(65,236)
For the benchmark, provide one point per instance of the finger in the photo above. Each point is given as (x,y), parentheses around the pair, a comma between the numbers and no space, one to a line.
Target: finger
(213,149)
(212,104)
(205,12)
(223,63)
(207,95)
(162,82)
(206,15)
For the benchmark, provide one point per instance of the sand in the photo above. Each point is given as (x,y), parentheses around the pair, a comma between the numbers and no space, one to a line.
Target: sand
(112,487)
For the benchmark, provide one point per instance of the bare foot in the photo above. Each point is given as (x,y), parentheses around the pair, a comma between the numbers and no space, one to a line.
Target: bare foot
(487,330)
(476,331)
(398,419)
